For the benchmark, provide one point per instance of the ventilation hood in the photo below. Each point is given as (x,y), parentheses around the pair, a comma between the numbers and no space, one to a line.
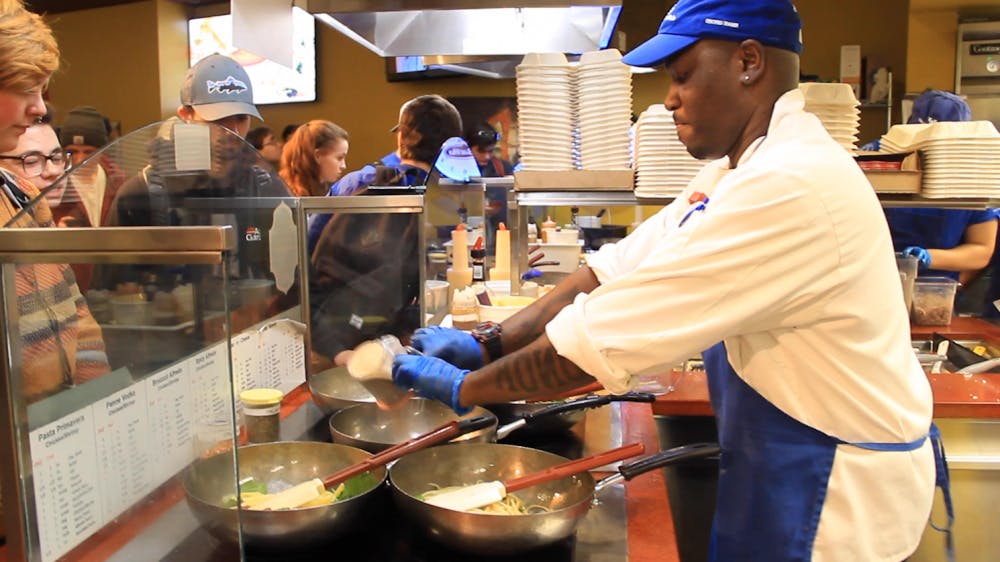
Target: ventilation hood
(485,37)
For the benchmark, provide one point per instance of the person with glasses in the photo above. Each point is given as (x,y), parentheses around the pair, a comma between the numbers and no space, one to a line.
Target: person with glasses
(61,343)
(40,159)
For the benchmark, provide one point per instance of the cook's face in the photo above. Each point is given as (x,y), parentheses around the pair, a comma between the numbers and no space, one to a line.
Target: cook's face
(42,141)
(332,160)
(19,109)
(483,153)
(701,95)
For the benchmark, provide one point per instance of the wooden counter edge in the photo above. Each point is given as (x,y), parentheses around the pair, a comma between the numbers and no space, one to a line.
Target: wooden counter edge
(651,534)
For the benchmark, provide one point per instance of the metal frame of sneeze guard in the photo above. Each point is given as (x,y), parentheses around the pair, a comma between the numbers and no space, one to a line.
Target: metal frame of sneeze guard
(151,245)
(351,204)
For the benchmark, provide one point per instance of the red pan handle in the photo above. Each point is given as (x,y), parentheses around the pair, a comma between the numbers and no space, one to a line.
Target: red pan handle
(574,467)
(586,389)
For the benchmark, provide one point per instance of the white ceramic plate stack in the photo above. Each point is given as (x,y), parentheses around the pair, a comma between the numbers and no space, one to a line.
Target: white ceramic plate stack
(545,109)
(837,109)
(959,157)
(663,165)
(604,110)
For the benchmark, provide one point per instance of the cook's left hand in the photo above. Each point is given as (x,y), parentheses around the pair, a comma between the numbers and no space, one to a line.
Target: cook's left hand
(431,377)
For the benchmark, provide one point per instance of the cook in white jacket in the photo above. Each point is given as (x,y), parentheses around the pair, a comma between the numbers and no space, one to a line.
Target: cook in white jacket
(776,263)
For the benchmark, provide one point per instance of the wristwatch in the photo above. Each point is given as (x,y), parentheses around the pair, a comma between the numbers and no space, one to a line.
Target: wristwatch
(488,334)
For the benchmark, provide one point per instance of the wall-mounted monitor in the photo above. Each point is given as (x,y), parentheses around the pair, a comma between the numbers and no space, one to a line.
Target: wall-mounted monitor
(272,82)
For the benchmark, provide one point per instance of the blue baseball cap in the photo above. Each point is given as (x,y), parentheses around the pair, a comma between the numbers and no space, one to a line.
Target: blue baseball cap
(774,23)
(939,105)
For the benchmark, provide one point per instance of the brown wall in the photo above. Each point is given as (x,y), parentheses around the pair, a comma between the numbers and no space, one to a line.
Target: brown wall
(128,61)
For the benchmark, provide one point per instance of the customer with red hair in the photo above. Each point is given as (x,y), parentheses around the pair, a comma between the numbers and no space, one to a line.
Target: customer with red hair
(314,157)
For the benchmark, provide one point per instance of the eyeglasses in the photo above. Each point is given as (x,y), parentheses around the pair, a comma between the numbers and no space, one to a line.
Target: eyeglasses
(33,163)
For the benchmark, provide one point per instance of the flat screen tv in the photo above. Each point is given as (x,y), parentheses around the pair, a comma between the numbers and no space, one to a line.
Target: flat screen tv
(272,82)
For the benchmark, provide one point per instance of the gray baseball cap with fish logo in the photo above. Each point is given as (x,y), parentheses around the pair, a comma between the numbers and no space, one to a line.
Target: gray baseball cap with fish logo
(218,87)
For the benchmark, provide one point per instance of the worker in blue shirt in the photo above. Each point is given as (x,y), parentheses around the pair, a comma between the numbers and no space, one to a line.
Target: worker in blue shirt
(946,242)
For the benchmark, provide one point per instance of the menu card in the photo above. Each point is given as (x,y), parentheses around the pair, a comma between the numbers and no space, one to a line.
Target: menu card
(272,356)
(66,480)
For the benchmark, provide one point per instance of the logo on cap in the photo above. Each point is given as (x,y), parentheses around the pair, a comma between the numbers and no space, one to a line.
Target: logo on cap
(228,86)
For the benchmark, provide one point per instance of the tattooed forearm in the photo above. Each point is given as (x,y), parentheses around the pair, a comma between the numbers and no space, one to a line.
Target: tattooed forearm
(535,371)
(529,324)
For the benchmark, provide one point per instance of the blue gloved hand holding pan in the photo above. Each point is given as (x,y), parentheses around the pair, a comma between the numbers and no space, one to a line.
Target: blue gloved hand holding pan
(431,378)
(454,346)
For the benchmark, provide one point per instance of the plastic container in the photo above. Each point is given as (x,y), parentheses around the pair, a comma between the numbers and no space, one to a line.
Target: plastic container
(933,300)
(371,365)
(907,266)
(503,308)
(262,414)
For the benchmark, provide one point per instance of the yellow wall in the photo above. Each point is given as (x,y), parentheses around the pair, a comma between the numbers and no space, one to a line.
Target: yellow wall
(109,61)
(930,49)
(128,61)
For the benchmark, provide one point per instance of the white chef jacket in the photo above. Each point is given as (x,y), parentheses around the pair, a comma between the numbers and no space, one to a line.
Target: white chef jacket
(789,262)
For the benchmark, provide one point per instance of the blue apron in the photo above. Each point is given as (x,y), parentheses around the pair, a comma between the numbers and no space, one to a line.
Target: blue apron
(774,471)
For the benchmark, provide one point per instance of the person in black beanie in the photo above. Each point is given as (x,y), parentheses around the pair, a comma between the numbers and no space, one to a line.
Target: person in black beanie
(95,181)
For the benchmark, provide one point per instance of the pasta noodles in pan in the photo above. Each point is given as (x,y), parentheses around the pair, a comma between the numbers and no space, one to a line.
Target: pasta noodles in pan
(510,505)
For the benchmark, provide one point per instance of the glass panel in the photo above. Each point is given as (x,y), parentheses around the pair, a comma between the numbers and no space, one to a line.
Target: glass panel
(108,416)
(364,278)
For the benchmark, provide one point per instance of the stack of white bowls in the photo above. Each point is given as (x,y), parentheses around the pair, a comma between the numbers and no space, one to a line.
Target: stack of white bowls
(545,106)
(837,108)
(604,110)
(959,157)
(663,165)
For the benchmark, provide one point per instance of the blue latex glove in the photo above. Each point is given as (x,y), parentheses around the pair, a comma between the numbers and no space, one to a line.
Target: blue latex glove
(922,255)
(431,377)
(454,346)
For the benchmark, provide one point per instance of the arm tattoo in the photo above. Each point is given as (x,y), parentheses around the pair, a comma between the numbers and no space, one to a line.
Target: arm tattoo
(536,370)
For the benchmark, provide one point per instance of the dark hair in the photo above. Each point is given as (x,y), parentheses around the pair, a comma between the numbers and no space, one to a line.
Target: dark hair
(481,134)
(257,135)
(424,124)
(288,130)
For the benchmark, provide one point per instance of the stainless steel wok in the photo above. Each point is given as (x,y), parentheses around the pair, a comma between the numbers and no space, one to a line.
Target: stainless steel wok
(371,428)
(462,464)
(208,481)
(374,429)
(334,389)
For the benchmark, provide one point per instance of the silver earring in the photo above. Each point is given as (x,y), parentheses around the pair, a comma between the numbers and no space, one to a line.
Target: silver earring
(745,78)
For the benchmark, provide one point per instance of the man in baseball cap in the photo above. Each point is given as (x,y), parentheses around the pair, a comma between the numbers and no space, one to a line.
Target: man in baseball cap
(773,23)
(776,266)
(218,90)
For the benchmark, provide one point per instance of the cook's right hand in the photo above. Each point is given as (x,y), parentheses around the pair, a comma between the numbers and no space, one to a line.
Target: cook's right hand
(454,346)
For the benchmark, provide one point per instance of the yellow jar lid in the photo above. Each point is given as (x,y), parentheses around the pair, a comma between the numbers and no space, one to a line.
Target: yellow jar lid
(261,396)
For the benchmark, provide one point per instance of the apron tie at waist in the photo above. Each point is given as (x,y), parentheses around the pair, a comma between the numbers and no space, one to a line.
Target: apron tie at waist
(941,479)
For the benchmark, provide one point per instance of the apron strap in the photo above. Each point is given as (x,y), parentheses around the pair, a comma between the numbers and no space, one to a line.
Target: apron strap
(941,480)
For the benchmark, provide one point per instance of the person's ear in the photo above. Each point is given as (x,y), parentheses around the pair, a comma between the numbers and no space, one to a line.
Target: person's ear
(185,112)
(752,61)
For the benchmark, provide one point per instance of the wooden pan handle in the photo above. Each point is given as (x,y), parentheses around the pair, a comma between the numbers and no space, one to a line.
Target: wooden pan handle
(442,433)
(573,467)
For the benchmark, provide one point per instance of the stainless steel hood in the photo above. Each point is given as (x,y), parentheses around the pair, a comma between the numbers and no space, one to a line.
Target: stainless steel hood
(501,30)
